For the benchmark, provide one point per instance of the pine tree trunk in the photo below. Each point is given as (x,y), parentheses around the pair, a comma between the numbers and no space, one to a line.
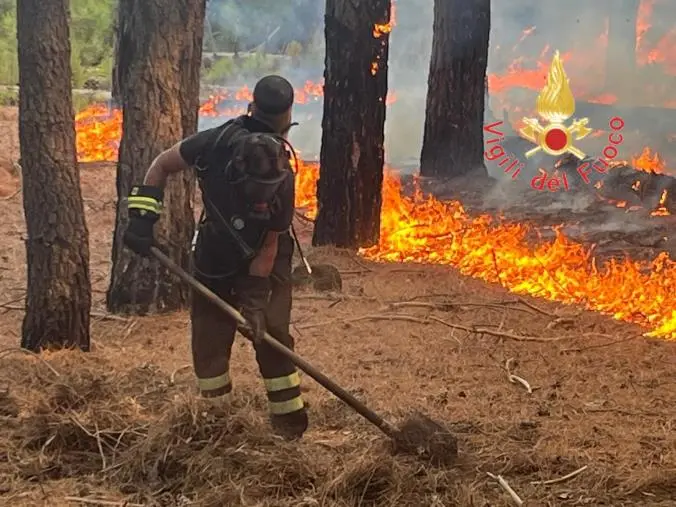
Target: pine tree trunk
(453,136)
(155,38)
(352,154)
(191,65)
(621,53)
(58,300)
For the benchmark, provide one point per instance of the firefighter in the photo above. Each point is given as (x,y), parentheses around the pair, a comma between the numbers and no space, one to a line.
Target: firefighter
(243,250)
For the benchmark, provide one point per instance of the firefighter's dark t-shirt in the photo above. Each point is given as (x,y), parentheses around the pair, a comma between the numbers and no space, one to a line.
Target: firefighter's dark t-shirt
(199,150)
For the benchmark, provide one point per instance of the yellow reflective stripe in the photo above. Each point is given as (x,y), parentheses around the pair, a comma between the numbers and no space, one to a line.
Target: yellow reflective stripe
(286,407)
(145,208)
(273,385)
(143,200)
(145,203)
(209,384)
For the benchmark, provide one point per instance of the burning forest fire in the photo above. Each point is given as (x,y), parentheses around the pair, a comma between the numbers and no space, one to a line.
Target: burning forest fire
(421,229)
(426,230)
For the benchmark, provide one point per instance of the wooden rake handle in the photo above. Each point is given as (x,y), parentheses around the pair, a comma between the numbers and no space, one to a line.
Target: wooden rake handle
(368,414)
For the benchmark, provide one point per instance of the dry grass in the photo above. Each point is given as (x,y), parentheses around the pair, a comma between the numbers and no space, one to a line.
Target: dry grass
(122,423)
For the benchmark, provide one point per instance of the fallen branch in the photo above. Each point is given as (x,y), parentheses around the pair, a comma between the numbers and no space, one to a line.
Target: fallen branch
(602,345)
(504,485)
(561,321)
(6,352)
(8,304)
(332,296)
(443,307)
(97,501)
(561,479)
(533,307)
(430,319)
(406,318)
(359,263)
(498,334)
(13,195)
(99,315)
(516,379)
(487,303)
(303,217)
(353,272)
(172,378)
(97,435)
(109,316)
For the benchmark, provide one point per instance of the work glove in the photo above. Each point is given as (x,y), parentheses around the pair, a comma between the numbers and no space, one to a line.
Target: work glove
(253,293)
(144,204)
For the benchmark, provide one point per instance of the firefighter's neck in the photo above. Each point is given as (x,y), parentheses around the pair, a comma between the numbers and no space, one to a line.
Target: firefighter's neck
(278,123)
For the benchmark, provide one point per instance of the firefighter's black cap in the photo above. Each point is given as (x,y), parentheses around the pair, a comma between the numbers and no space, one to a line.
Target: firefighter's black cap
(273,95)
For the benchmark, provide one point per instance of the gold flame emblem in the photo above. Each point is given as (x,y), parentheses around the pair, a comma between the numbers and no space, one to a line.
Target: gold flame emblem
(555,104)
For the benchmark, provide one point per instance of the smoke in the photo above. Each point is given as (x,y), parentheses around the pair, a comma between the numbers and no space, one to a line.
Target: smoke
(596,40)
(521,36)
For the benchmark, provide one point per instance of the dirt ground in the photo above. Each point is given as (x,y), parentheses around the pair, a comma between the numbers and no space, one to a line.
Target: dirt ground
(122,423)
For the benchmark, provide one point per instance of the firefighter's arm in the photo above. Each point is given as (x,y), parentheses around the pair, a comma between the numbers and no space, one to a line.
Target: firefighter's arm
(165,164)
(262,264)
(180,157)
(144,202)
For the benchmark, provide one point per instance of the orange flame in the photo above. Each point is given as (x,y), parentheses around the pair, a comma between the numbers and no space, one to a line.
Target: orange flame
(380,29)
(649,162)
(99,128)
(425,230)
(662,210)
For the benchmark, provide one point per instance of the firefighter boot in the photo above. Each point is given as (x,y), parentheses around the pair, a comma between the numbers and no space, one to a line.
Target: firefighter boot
(290,426)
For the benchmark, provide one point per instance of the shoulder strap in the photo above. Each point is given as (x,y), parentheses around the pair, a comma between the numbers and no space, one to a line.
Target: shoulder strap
(231,134)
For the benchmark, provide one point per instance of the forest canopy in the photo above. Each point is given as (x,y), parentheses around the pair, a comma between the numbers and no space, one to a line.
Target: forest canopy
(233,25)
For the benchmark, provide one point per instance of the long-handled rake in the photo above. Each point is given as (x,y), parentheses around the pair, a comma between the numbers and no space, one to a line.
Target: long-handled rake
(418,434)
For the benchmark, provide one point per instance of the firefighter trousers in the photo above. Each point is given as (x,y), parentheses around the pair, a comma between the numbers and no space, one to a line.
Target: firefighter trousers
(213,334)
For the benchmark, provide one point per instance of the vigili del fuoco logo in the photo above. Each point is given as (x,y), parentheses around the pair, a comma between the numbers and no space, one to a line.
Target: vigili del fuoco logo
(554,136)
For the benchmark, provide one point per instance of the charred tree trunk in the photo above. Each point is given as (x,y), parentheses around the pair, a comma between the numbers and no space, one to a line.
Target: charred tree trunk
(621,53)
(352,153)
(58,300)
(153,41)
(191,65)
(453,142)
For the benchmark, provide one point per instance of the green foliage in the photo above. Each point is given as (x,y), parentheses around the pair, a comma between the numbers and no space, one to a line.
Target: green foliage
(83,100)
(220,70)
(237,25)
(9,97)
(226,69)
(91,27)
(91,31)
(9,65)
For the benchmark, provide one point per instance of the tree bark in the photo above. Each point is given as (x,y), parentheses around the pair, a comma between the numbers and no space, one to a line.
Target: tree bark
(352,154)
(621,52)
(156,59)
(453,135)
(58,298)
(191,65)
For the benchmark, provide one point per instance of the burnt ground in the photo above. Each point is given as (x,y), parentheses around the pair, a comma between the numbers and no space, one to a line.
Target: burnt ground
(123,423)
